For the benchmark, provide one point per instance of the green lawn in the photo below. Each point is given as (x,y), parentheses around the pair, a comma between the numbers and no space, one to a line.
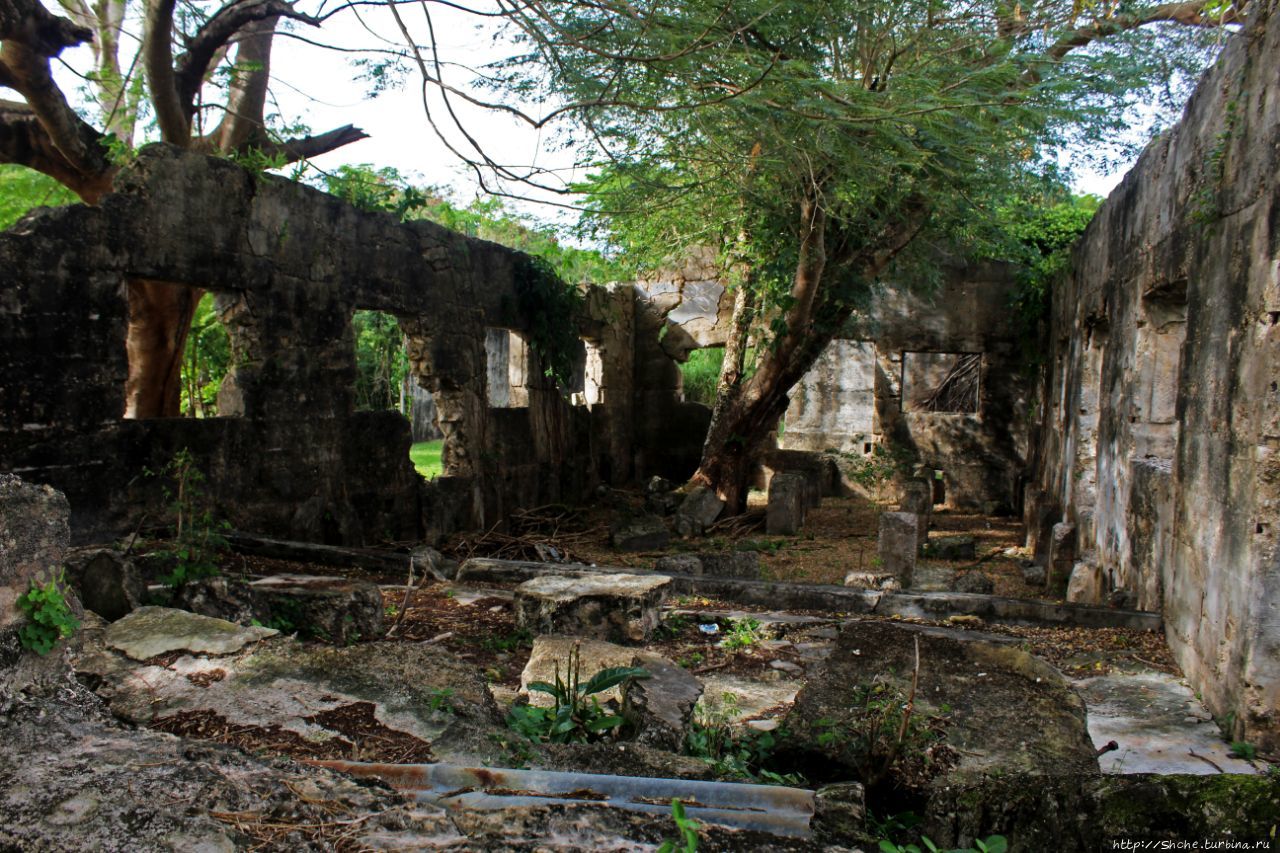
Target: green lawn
(425,456)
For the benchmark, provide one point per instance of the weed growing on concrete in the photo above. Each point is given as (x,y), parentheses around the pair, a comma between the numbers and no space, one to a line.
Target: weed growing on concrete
(51,617)
(577,715)
(742,634)
(198,535)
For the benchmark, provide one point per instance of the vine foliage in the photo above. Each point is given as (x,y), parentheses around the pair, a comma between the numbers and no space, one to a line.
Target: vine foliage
(546,306)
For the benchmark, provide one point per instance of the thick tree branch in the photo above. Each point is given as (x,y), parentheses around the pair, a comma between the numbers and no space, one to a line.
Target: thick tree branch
(212,38)
(244,123)
(24,141)
(307,147)
(1188,14)
(40,31)
(157,60)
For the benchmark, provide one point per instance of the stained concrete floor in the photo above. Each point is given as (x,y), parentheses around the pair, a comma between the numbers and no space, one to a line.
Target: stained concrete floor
(1158,724)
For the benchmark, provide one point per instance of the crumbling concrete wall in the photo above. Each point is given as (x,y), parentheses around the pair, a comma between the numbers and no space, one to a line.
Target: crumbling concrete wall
(289,266)
(868,389)
(1160,436)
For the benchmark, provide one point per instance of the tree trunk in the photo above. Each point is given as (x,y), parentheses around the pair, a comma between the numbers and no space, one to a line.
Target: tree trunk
(160,317)
(748,410)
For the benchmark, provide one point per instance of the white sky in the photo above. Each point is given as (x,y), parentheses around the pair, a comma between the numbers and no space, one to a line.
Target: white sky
(320,88)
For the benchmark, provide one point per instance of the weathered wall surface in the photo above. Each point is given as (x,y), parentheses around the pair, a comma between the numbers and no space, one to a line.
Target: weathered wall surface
(853,399)
(1160,436)
(289,266)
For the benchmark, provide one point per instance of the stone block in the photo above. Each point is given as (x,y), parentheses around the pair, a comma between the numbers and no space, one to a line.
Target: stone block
(680,564)
(337,610)
(959,547)
(151,631)
(642,533)
(1033,574)
(34,534)
(898,545)
(617,608)
(659,707)
(1085,583)
(870,580)
(1062,555)
(975,582)
(787,504)
(698,511)
(108,583)
(732,564)
(917,497)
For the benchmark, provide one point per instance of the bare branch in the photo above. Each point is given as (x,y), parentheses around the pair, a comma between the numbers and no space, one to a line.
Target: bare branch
(217,33)
(307,147)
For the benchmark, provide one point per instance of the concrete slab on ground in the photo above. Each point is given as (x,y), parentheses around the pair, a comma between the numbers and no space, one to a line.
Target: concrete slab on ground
(1158,724)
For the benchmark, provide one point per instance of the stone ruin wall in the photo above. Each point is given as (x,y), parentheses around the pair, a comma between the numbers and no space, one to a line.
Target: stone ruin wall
(859,394)
(289,266)
(851,401)
(1160,435)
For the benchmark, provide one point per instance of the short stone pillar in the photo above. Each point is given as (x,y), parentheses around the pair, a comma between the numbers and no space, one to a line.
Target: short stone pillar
(1062,555)
(787,503)
(917,497)
(613,607)
(1085,583)
(899,542)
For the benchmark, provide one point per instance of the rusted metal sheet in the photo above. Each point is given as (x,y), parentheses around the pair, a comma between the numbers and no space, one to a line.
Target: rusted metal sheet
(765,808)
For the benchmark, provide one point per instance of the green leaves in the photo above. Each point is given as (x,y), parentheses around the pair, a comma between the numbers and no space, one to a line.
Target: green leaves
(50,615)
(577,715)
(688,829)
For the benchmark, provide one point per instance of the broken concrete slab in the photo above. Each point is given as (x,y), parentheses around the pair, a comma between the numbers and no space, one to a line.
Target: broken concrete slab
(1062,556)
(898,545)
(1158,725)
(151,631)
(659,707)
(419,690)
(681,564)
(931,577)
(613,607)
(1001,709)
(917,498)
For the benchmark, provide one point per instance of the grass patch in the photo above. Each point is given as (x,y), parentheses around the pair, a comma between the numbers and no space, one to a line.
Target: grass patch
(425,456)
(701,373)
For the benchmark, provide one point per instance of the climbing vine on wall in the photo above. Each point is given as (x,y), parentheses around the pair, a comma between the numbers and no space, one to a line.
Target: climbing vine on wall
(546,308)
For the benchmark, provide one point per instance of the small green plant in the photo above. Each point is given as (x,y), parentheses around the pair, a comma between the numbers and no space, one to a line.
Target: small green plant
(742,634)
(993,844)
(442,700)
(51,617)
(1246,751)
(873,471)
(521,637)
(198,535)
(692,660)
(577,715)
(688,829)
(734,753)
(672,627)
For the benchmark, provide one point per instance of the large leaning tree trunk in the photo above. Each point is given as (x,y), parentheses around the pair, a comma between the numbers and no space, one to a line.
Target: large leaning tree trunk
(749,407)
(44,132)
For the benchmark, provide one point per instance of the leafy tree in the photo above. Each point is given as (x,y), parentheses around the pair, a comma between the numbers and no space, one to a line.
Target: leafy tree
(22,189)
(206,360)
(819,147)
